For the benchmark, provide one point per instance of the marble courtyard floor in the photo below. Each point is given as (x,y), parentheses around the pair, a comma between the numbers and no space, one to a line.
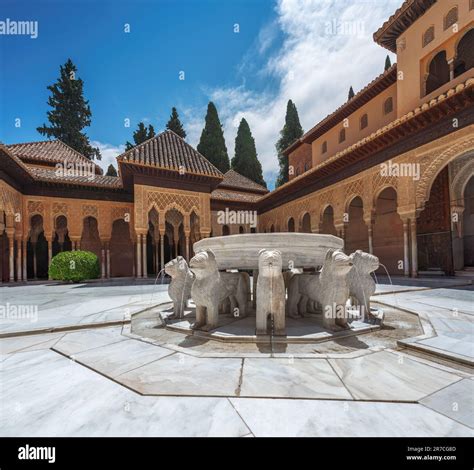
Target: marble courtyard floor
(93,360)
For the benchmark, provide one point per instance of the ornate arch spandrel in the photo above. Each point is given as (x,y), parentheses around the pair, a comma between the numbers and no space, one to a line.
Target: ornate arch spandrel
(432,166)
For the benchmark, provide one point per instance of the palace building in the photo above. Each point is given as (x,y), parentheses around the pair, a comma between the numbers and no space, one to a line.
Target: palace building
(391,171)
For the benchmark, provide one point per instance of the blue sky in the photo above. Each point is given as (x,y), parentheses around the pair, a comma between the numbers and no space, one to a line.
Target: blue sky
(308,50)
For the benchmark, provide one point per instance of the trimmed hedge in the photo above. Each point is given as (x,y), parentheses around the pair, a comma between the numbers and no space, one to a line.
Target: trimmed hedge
(74,266)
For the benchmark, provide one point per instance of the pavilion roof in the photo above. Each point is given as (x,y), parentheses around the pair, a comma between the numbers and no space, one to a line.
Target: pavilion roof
(169,151)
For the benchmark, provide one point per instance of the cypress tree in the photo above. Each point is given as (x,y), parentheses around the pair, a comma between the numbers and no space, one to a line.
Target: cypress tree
(212,142)
(174,124)
(351,93)
(291,132)
(70,112)
(111,171)
(388,63)
(141,135)
(245,160)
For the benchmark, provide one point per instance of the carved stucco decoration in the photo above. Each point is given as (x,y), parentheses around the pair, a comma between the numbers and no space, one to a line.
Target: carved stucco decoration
(431,167)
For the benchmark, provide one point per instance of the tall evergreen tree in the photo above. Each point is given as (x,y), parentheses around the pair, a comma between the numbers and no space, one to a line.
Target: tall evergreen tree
(174,124)
(291,131)
(212,142)
(141,135)
(111,171)
(245,160)
(70,112)
(351,93)
(388,63)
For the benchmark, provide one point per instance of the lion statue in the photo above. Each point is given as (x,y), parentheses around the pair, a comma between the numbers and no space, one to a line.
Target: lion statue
(180,287)
(329,290)
(211,288)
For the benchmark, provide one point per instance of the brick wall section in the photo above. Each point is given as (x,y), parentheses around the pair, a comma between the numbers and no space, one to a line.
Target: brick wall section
(298,159)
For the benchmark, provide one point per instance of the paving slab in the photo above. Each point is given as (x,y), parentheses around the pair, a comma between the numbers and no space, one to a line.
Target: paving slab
(455,401)
(117,358)
(326,418)
(291,378)
(391,377)
(45,394)
(180,374)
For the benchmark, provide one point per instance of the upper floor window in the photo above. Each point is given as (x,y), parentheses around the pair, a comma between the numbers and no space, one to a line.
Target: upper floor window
(471,4)
(464,59)
(364,121)
(451,17)
(297,170)
(306,166)
(388,105)
(324,147)
(428,35)
(438,72)
(342,135)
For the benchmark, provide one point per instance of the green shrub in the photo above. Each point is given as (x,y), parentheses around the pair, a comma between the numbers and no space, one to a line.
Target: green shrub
(74,266)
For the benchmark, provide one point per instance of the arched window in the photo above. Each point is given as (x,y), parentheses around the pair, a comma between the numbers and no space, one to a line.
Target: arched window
(306,166)
(471,5)
(241,229)
(464,54)
(388,105)
(342,135)
(225,230)
(451,18)
(428,35)
(364,121)
(324,147)
(438,73)
(297,170)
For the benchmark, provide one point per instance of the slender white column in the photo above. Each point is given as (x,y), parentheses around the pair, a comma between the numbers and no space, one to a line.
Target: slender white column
(414,249)
(107,253)
(18,260)
(12,258)
(24,251)
(406,267)
(102,261)
(139,256)
(145,273)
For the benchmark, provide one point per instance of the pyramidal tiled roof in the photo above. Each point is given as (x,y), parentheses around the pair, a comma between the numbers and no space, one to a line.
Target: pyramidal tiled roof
(48,151)
(168,150)
(235,180)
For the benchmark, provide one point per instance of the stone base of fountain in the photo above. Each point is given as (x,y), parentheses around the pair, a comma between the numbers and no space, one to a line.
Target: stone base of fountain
(242,330)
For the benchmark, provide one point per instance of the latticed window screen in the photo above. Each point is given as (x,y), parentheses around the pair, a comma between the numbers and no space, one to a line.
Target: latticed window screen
(324,147)
(471,4)
(451,18)
(388,105)
(428,35)
(364,121)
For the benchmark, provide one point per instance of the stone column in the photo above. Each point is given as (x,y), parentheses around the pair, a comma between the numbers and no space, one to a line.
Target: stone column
(186,234)
(406,267)
(102,261)
(24,251)
(49,241)
(371,240)
(139,255)
(144,263)
(107,252)
(162,248)
(414,248)
(18,259)
(12,257)
(254,287)
(33,247)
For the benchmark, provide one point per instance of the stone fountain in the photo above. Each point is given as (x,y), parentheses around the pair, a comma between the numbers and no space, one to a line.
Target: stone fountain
(295,276)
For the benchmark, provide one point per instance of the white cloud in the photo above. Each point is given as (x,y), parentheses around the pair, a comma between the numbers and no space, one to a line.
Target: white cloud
(327,47)
(109,154)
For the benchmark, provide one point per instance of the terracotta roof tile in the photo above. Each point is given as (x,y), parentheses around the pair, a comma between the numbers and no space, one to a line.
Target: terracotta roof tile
(51,175)
(232,179)
(168,150)
(49,151)
(224,195)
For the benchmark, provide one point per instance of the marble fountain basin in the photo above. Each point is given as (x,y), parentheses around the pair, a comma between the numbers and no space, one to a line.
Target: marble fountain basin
(303,250)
